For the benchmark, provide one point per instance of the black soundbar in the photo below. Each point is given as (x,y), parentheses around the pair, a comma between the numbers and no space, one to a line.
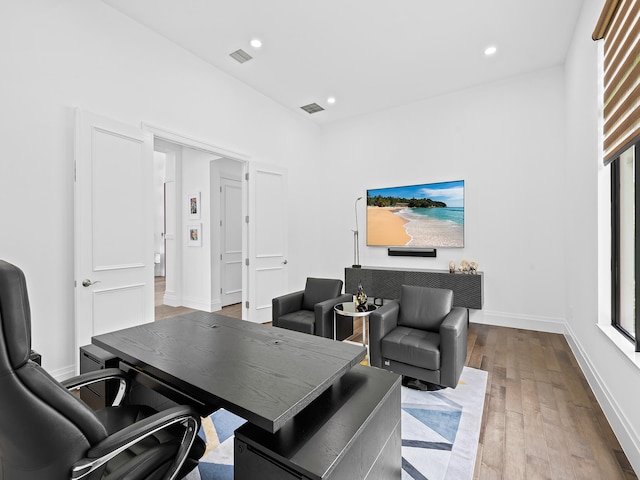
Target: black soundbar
(411,252)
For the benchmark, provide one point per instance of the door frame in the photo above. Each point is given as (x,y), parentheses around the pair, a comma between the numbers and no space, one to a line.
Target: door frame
(179,139)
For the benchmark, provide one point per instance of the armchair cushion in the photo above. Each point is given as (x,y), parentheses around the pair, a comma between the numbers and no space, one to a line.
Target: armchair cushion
(300,321)
(318,290)
(424,308)
(415,347)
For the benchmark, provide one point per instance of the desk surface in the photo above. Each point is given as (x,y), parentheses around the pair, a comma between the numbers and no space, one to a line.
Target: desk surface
(264,374)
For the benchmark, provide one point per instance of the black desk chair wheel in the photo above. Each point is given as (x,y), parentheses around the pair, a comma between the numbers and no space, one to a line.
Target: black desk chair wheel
(46,432)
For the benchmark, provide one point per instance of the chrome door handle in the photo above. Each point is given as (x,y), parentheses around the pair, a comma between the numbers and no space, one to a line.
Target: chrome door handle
(285,262)
(87,283)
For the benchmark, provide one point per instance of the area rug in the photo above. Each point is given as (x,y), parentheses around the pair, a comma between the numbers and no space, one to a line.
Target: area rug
(440,433)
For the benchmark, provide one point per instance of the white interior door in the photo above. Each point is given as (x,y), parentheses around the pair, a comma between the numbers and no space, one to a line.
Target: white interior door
(231,241)
(267,233)
(114,226)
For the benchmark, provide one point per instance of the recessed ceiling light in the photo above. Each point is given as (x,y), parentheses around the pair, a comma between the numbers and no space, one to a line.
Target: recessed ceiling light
(256,43)
(331,100)
(490,51)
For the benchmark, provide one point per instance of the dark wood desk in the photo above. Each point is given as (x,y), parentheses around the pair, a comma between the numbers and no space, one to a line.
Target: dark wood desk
(264,374)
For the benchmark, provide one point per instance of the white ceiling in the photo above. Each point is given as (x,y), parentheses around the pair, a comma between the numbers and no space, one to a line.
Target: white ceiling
(368,54)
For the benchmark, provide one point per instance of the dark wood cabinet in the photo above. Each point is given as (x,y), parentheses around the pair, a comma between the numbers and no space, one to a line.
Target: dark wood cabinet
(385,283)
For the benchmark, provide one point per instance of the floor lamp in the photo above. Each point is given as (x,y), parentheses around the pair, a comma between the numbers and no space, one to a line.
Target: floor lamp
(356,247)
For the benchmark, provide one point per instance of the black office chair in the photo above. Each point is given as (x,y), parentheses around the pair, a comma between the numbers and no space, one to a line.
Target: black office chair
(311,310)
(422,337)
(47,433)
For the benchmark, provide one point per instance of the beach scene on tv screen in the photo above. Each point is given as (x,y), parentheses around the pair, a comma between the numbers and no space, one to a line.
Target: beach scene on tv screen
(428,215)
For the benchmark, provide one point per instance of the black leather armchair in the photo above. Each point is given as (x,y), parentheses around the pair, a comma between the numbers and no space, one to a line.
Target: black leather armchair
(421,336)
(311,310)
(46,432)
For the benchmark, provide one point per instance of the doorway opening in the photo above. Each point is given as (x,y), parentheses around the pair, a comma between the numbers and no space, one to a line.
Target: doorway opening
(206,274)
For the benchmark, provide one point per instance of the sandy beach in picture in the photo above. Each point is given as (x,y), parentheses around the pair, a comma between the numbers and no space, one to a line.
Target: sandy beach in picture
(388,226)
(384,227)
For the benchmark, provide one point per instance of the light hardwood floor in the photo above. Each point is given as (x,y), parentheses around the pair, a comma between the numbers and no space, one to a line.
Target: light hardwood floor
(541,419)
(165,311)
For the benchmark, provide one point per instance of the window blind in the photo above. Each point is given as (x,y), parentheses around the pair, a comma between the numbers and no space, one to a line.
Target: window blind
(619,26)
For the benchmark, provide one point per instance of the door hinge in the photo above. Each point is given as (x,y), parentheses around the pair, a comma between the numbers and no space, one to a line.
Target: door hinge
(220,256)
(246,304)
(246,219)
(246,262)
(246,177)
(220,189)
(221,291)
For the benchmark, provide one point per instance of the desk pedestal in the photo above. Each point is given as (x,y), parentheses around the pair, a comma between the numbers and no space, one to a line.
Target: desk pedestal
(351,431)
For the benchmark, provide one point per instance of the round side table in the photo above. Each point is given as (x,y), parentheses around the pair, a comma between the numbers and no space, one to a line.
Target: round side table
(348,309)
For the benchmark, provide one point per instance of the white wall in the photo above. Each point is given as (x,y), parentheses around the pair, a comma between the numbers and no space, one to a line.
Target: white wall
(505,140)
(196,260)
(159,176)
(608,361)
(61,54)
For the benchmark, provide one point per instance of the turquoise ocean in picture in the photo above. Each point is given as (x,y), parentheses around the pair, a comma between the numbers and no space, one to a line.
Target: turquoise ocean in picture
(443,227)
(448,214)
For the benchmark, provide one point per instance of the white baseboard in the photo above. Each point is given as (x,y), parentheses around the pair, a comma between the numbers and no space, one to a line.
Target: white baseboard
(525,322)
(61,374)
(172,300)
(199,304)
(215,306)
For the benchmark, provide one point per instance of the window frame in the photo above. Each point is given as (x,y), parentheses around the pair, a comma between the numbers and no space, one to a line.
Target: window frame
(633,337)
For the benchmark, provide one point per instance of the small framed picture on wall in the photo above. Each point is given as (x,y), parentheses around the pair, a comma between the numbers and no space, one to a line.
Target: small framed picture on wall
(194,235)
(193,206)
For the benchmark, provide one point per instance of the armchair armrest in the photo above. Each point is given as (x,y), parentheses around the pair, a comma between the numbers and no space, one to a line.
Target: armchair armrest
(381,322)
(324,314)
(123,439)
(291,302)
(103,375)
(453,346)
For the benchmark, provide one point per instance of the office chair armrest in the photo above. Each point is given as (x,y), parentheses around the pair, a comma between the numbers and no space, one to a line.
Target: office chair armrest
(123,439)
(291,302)
(323,312)
(84,379)
(381,322)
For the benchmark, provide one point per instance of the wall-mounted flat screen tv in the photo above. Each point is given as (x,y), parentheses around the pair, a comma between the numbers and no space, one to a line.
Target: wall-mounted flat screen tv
(422,216)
